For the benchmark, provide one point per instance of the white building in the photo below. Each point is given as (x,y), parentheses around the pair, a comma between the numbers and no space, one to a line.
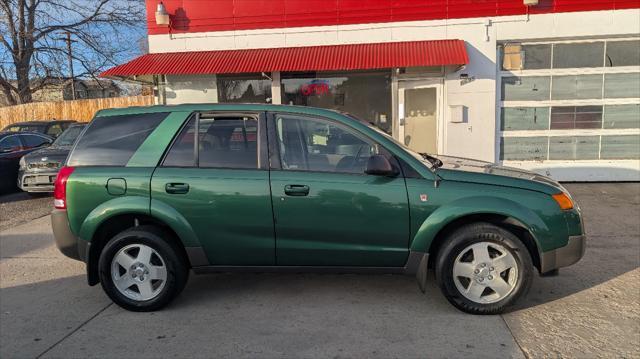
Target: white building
(552,86)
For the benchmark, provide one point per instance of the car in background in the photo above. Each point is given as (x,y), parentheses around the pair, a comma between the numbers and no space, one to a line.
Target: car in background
(12,147)
(51,128)
(38,169)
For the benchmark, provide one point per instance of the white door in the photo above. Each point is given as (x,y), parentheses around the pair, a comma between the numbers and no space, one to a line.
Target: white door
(419,114)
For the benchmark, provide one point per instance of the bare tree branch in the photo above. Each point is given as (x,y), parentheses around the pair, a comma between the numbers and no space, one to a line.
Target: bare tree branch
(30,31)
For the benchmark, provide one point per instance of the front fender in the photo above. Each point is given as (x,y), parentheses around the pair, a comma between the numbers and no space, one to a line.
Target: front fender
(478,205)
(110,208)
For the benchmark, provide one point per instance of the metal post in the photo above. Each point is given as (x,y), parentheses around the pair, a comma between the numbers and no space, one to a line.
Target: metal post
(73,80)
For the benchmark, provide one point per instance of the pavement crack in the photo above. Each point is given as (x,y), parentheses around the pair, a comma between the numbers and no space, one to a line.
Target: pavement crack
(73,331)
(514,337)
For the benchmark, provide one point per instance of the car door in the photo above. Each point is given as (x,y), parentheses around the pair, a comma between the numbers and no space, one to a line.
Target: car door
(327,211)
(219,181)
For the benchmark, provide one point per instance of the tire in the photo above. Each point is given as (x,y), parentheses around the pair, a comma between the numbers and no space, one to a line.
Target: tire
(487,281)
(145,284)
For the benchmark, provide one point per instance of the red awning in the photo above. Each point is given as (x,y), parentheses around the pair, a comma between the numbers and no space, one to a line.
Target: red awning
(311,58)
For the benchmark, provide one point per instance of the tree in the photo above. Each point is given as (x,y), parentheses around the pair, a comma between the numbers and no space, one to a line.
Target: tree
(33,50)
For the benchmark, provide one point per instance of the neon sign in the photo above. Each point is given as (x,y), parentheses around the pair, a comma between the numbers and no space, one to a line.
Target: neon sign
(315,87)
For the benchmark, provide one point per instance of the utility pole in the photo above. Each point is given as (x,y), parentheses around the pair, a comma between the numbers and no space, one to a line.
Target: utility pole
(70,58)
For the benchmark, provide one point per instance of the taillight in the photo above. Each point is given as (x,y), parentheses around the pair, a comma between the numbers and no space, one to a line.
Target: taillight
(60,188)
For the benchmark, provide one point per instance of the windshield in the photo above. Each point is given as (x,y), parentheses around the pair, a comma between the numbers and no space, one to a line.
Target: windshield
(26,128)
(425,157)
(68,137)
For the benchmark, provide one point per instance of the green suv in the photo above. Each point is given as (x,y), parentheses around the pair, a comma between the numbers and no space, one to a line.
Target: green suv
(149,193)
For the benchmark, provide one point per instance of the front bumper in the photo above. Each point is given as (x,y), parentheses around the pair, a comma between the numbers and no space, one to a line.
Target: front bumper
(67,242)
(37,181)
(563,256)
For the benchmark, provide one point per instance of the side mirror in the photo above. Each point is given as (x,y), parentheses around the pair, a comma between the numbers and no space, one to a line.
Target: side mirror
(379,165)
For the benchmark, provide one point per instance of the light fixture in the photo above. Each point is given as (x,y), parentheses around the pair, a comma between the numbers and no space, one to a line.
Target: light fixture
(530,2)
(162,16)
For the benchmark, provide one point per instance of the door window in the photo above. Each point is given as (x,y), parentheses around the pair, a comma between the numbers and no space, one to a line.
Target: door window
(317,145)
(10,144)
(34,141)
(222,142)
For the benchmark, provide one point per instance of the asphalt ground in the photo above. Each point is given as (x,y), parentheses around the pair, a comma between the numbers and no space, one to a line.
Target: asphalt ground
(591,309)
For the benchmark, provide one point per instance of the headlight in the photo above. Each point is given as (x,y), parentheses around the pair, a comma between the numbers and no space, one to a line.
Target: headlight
(23,164)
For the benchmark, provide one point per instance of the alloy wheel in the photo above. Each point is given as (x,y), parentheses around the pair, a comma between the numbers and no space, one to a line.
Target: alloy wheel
(485,272)
(138,272)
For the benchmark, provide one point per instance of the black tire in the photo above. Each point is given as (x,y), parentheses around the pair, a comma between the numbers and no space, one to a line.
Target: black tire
(177,270)
(470,234)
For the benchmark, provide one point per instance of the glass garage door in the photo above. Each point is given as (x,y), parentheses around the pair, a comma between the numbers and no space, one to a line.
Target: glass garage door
(571,104)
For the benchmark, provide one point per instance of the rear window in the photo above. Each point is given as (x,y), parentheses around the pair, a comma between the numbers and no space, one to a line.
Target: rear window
(112,140)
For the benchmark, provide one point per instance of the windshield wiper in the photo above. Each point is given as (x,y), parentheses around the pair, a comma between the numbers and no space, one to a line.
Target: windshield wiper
(435,163)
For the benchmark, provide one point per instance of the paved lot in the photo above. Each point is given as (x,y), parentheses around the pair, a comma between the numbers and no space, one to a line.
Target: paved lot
(592,309)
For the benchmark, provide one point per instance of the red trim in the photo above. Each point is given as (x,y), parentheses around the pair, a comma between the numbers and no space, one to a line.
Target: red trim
(311,58)
(222,15)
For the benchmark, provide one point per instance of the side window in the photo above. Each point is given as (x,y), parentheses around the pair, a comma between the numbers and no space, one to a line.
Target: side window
(222,142)
(34,141)
(307,144)
(182,152)
(54,130)
(112,140)
(228,142)
(10,144)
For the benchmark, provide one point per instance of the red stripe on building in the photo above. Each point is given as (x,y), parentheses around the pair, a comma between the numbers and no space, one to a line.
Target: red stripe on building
(311,58)
(221,15)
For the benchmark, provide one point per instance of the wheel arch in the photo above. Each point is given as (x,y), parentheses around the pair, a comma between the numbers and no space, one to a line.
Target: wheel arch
(504,213)
(507,223)
(169,221)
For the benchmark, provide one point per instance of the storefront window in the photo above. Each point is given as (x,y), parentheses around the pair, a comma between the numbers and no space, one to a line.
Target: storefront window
(623,53)
(576,87)
(589,54)
(365,95)
(525,118)
(526,88)
(244,89)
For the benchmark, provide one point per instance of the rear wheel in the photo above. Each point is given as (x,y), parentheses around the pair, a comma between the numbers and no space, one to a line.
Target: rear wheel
(141,269)
(483,269)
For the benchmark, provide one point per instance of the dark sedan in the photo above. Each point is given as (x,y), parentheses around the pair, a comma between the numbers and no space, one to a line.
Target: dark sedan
(38,169)
(12,147)
(51,128)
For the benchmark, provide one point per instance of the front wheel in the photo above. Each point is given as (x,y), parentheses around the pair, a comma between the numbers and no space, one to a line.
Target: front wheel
(141,269)
(483,269)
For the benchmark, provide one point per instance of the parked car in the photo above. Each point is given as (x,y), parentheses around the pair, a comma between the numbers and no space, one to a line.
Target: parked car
(151,192)
(12,147)
(51,128)
(38,169)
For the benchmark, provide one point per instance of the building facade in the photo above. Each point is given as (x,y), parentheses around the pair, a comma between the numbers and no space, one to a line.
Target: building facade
(551,85)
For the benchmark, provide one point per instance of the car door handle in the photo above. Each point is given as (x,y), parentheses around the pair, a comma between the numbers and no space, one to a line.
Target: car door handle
(176,188)
(296,190)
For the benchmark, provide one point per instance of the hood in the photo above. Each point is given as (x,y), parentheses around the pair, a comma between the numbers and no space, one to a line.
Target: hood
(470,170)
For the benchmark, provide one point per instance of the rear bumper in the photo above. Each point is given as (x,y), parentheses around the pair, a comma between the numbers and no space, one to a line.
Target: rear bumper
(28,181)
(564,256)
(68,243)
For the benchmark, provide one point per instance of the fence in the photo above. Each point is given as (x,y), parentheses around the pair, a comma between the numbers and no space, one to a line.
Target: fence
(79,110)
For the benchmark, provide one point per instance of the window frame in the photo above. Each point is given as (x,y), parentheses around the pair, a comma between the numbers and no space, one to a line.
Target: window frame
(261,133)
(274,148)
